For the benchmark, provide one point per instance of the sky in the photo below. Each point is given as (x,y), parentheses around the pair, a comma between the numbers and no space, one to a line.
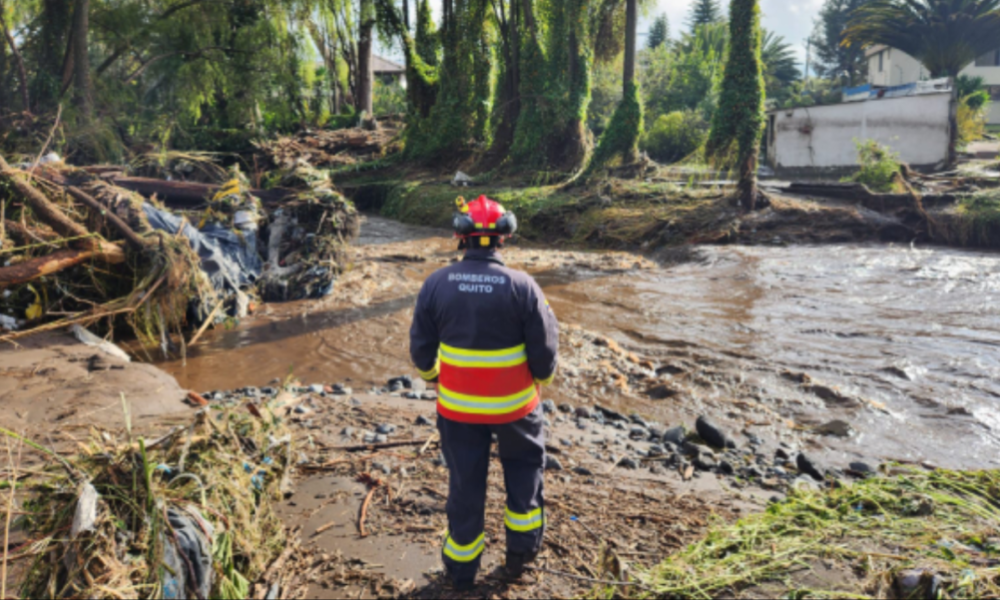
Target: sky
(791,19)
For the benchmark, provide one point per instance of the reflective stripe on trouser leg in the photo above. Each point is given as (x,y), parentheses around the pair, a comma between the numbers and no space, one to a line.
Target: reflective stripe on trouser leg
(522,452)
(466,449)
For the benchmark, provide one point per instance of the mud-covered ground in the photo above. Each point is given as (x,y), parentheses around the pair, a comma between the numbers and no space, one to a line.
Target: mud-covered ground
(844,353)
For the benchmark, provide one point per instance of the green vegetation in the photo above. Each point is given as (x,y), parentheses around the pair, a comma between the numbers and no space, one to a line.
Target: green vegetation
(843,64)
(675,136)
(879,167)
(862,535)
(704,12)
(659,33)
(739,122)
(979,220)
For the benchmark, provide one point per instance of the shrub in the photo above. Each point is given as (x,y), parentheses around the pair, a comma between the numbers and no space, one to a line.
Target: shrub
(879,166)
(675,136)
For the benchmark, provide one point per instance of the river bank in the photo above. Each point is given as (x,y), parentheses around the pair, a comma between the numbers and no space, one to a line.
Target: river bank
(815,350)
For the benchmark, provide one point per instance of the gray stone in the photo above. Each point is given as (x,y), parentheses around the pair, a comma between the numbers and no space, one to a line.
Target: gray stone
(552,463)
(566,408)
(782,454)
(918,584)
(582,471)
(752,473)
(403,381)
(689,449)
(548,407)
(411,395)
(347,432)
(655,434)
(423,421)
(863,468)
(566,442)
(656,450)
(628,463)
(704,463)
(385,429)
(779,472)
(581,425)
(711,433)
(355,402)
(382,467)
(638,432)
(657,470)
(609,414)
(807,466)
(726,468)
(429,396)
(316,388)
(301,410)
(583,412)
(618,425)
(675,435)
(268,391)
(340,390)
(381,438)
(638,420)
(369,438)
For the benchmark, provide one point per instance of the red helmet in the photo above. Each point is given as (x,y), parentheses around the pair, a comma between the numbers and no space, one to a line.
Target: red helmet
(483,217)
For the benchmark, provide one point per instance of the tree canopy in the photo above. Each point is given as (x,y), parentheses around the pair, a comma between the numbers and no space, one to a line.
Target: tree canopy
(659,33)
(704,12)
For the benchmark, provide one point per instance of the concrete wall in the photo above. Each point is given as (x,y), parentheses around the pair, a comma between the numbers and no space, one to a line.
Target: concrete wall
(823,137)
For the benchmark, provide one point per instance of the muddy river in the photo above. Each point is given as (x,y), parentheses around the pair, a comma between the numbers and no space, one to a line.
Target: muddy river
(900,343)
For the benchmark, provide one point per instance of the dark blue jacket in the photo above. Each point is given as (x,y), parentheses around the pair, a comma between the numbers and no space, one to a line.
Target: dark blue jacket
(481,304)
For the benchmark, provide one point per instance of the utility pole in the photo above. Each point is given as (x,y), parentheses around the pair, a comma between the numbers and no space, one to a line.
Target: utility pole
(808,56)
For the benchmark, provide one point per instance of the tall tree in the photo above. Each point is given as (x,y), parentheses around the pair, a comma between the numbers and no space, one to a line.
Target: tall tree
(659,33)
(82,93)
(365,77)
(704,12)
(833,59)
(21,71)
(738,123)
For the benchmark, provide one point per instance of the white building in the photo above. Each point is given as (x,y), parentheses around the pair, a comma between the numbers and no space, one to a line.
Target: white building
(889,67)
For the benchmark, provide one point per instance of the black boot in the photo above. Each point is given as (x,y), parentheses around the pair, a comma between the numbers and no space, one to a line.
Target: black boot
(463,585)
(517,562)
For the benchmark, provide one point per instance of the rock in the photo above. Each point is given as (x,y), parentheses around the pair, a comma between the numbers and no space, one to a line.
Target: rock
(548,407)
(656,450)
(655,433)
(429,396)
(662,392)
(382,467)
(862,468)
(552,463)
(836,428)
(423,421)
(618,425)
(690,450)
(411,395)
(404,381)
(582,471)
(355,402)
(609,414)
(637,432)
(782,454)
(754,440)
(779,472)
(583,412)
(752,473)
(806,483)
(916,584)
(381,438)
(347,432)
(339,390)
(675,435)
(704,463)
(581,425)
(566,442)
(301,410)
(395,387)
(628,463)
(440,461)
(657,470)
(711,433)
(638,420)
(726,468)
(808,467)
(369,438)
(566,408)
(268,391)
(316,389)
(385,429)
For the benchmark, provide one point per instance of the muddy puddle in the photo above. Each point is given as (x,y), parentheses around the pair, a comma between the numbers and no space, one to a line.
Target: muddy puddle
(901,344)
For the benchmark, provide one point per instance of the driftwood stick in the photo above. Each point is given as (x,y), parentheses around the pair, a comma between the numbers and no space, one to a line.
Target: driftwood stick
(31,270)
(43,208)
(361,447)
(99,209)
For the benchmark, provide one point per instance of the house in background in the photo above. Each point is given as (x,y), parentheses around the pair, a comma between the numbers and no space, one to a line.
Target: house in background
(889,67)
(388,71)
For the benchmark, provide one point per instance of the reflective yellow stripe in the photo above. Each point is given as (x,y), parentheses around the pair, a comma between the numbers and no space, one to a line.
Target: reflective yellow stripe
(432,374)
(548,381)
(459,357)
(485,405)
(523,522)
(464,554)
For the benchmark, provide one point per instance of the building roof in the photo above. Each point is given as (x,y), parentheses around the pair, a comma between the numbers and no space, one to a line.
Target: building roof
(382,66)
(872,50)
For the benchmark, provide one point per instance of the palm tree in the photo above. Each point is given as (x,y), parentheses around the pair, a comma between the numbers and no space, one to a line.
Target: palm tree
(780,63)
(944,35)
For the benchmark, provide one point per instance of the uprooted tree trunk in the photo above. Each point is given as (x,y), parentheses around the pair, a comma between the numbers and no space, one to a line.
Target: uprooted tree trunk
(59,260)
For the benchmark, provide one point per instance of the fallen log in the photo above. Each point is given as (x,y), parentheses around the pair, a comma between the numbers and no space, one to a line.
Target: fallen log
(45,210)
(54,263)
(188,194)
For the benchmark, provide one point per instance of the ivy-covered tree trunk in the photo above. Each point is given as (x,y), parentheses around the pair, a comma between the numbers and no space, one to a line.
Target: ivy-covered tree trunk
(621,138)
(22,74)
(53,51)
(363,100)
(554,88)
(739,120)
(82,94)
(509,94)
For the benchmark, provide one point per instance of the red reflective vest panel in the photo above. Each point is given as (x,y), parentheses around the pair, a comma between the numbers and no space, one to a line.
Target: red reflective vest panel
(485,386)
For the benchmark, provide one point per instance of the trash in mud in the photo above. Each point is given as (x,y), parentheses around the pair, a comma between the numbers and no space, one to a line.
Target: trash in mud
(188,515)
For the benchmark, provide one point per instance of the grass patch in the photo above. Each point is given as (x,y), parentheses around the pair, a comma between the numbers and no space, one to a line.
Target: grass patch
(945,522)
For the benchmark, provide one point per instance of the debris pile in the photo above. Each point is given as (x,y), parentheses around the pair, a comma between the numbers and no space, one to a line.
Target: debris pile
(326,148)
(188,515)
(77,245)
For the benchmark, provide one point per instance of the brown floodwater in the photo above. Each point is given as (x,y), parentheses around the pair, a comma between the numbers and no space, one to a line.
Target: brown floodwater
(913,332)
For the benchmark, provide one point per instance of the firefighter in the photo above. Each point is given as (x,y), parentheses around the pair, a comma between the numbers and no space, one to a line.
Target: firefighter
(486,337)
